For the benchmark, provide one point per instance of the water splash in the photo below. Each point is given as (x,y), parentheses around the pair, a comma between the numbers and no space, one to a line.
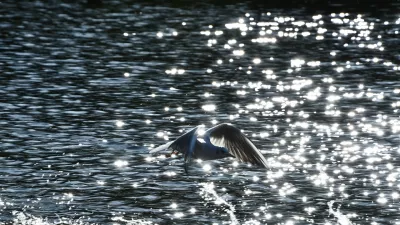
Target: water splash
(342,219)
(209,194)
(133,221)
(28,219)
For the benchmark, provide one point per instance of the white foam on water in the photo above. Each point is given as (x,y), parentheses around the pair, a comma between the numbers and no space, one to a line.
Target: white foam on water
(133,221)
(22,218)
(341,218)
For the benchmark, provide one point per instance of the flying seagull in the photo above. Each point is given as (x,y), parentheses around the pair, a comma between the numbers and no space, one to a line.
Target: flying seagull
(221,141)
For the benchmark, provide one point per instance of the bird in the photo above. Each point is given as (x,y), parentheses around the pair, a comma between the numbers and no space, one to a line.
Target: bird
(221,141)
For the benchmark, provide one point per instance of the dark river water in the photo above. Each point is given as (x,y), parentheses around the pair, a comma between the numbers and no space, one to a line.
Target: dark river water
(86,91)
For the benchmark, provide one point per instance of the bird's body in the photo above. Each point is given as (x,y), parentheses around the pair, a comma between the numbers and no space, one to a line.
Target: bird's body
(221,141)
(207,151)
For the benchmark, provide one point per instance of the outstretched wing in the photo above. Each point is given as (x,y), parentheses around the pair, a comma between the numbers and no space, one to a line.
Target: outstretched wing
(184,144)
(228,136)
(161,147)
(180,144)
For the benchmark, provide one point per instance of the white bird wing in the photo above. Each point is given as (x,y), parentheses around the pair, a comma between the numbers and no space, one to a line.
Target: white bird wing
(180,144)
(161,147)
(228,136)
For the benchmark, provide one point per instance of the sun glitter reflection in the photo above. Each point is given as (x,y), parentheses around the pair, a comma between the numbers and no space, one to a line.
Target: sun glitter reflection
(119,123)
(121,163)
(327,128)
(238,52)
(209,107)
(297,62)
(174,71)
(101,182)
(207,167)
(256,61)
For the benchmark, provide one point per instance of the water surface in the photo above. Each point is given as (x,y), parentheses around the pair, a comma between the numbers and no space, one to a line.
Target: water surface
(85,92)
